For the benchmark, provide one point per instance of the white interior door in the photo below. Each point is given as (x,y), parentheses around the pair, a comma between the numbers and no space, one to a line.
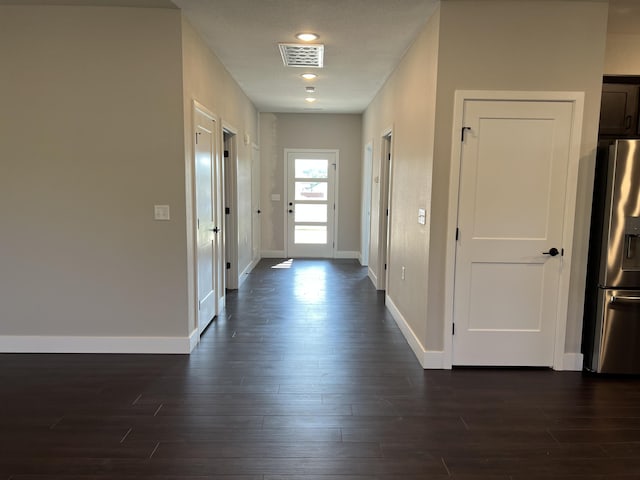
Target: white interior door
(311,203)
(207,246)
(511,207)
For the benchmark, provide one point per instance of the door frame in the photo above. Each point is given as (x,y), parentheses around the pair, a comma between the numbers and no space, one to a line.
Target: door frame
(365,214)
(384,219)
(461,96)
(230,199)
(192,222)
(336,180)
(256,209)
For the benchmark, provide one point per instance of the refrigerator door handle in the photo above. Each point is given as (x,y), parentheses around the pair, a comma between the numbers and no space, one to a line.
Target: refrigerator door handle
(615,299)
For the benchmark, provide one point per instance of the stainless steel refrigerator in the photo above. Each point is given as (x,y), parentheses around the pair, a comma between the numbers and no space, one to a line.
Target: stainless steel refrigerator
(611,337)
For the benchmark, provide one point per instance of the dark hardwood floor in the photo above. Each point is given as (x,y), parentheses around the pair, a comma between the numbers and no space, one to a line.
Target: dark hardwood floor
(307,377)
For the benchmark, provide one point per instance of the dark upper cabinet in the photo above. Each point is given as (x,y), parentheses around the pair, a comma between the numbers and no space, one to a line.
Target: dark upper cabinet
(619,109)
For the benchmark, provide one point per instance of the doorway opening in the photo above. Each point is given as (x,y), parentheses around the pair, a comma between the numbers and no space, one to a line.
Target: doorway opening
(385,207)
(208,282)
(513,187)
(366,205)
(229,140)
(311,205)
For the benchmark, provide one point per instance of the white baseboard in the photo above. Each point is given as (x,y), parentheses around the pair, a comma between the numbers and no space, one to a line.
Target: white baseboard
(373,277)
(429,359)
(347,254)
(272,254)
(573,362)
(194,339)
(71,344)
(244,274)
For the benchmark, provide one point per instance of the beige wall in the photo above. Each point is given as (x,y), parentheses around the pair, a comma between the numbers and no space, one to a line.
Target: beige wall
(623,54)
(511,52)
(481,45)
(407,105)
(207,81)
(313,131)
(92,137)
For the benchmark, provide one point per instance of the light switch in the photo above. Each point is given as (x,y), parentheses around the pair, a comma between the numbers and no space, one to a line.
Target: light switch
(275,197)
(161,212)
(422,216)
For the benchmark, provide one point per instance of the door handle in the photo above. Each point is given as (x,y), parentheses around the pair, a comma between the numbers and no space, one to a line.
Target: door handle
(615,299)
(290,211)
(552,251)
(258,212)
(215,230)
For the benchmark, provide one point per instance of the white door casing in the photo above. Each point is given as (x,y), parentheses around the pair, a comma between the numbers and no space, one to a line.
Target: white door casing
(366,204)
(255,204)
(207,251)
(517,173)
(311,202)
(386,173)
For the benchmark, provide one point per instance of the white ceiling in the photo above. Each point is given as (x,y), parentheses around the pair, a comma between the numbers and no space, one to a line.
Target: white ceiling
(364,40)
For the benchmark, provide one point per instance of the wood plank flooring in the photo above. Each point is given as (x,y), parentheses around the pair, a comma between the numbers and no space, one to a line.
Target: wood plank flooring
(307,377)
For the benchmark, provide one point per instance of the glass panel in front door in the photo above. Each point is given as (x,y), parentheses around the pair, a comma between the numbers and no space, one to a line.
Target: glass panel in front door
(311,186)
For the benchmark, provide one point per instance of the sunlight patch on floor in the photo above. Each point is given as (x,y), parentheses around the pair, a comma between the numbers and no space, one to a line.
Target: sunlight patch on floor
(285,264)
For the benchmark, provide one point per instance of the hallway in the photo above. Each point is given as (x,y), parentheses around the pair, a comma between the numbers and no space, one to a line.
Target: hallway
(307,377)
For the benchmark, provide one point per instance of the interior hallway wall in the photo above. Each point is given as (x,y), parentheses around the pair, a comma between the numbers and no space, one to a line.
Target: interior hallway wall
(311,131)
(406,104)
(92,138)
(512,52)
(207,81)
(623,45)
(471,45)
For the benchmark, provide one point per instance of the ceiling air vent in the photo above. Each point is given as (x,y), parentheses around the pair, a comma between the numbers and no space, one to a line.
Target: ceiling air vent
(302,55)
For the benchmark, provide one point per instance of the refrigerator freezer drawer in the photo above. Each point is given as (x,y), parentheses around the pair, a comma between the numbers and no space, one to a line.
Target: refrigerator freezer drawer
(619,350)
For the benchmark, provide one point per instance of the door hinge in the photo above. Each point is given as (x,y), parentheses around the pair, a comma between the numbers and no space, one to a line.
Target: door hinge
(385,266)
(389,156)
(226,154)
(453,329)
(228,265)
(457,234)
(227,210)
(387,212)
(197,133)
(462,133)
(198,222)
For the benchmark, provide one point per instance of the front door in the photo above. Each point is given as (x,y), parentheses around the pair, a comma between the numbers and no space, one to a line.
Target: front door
(311,203)
(510,222)
(207,226)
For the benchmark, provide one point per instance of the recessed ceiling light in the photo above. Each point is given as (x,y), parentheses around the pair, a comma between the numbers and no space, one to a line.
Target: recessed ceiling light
(310,99)
(307,37)
(310,89)
(309,76)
